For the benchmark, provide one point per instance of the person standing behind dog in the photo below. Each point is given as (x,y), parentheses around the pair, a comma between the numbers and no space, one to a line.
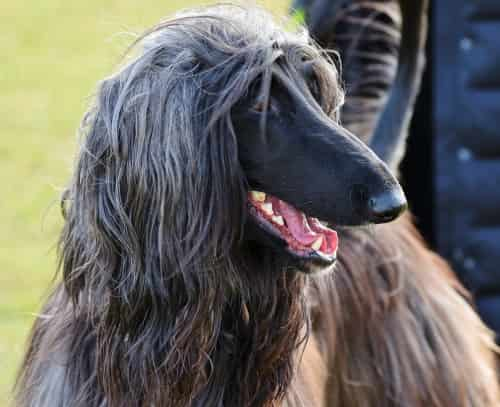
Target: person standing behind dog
(456,131)
(465,65)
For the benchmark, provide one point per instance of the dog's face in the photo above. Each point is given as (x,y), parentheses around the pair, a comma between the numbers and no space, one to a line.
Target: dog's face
(222,114)
(305,172)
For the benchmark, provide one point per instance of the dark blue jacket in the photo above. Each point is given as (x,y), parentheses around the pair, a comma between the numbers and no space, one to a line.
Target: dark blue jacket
(466,72)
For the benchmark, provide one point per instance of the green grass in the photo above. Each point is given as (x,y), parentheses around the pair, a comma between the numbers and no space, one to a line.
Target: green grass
(53,54)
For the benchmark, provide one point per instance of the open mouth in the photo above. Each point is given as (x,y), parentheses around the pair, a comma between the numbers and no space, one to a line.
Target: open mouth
(306,237)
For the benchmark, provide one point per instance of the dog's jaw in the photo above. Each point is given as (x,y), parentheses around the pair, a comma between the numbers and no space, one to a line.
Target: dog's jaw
(308,241)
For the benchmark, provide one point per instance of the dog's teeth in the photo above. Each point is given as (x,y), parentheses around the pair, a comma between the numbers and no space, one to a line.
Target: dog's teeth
(279,220)
(317,244)
(258,196)
(267,208)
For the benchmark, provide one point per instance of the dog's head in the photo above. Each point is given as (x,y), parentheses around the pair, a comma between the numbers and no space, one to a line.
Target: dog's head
(223,130)
(220,136)
(304,170)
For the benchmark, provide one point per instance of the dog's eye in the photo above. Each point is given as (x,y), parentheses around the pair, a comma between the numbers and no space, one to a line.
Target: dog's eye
(261,106)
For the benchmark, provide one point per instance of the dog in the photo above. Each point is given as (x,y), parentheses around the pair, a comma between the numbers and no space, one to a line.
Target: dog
(199,261)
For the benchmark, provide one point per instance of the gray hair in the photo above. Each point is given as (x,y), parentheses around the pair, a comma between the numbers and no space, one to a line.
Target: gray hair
(150,253)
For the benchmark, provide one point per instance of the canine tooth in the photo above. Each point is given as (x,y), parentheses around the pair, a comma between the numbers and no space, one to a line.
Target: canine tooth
(267,208)
(258,196)
(317,244)
(245,314)
(279,220)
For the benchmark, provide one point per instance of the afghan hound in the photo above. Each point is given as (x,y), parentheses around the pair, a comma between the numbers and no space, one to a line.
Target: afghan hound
(199,262)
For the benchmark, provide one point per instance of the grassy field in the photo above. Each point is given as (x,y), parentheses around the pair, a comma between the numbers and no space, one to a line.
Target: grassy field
(53,53)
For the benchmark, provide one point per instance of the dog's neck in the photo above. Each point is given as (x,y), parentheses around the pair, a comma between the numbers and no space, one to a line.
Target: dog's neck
(229,340)
(260,331)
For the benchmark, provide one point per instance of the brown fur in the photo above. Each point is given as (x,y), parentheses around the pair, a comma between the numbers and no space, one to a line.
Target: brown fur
(396,327)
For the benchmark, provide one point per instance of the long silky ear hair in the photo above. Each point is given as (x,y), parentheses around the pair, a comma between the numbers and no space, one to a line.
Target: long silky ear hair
(154,214)
(155,206)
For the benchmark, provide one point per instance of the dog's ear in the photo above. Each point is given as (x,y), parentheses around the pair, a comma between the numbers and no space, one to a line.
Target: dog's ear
(155,206)
(156,170)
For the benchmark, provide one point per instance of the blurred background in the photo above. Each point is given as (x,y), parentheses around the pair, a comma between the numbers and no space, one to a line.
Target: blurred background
(53,54)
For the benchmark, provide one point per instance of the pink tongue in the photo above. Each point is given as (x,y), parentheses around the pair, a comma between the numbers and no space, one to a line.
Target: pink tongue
(296,222)
(331,241)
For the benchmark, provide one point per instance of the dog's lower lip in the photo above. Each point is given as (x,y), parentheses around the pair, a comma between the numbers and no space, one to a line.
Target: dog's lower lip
(318,257)
(305,237)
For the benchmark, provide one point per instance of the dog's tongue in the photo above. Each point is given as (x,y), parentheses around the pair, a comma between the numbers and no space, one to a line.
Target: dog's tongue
(296,222)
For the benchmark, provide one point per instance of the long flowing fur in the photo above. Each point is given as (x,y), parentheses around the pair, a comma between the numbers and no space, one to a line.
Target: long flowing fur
(162,303)
(398,328)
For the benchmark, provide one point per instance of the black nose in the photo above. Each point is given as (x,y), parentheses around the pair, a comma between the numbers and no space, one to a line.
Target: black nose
(387,205)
